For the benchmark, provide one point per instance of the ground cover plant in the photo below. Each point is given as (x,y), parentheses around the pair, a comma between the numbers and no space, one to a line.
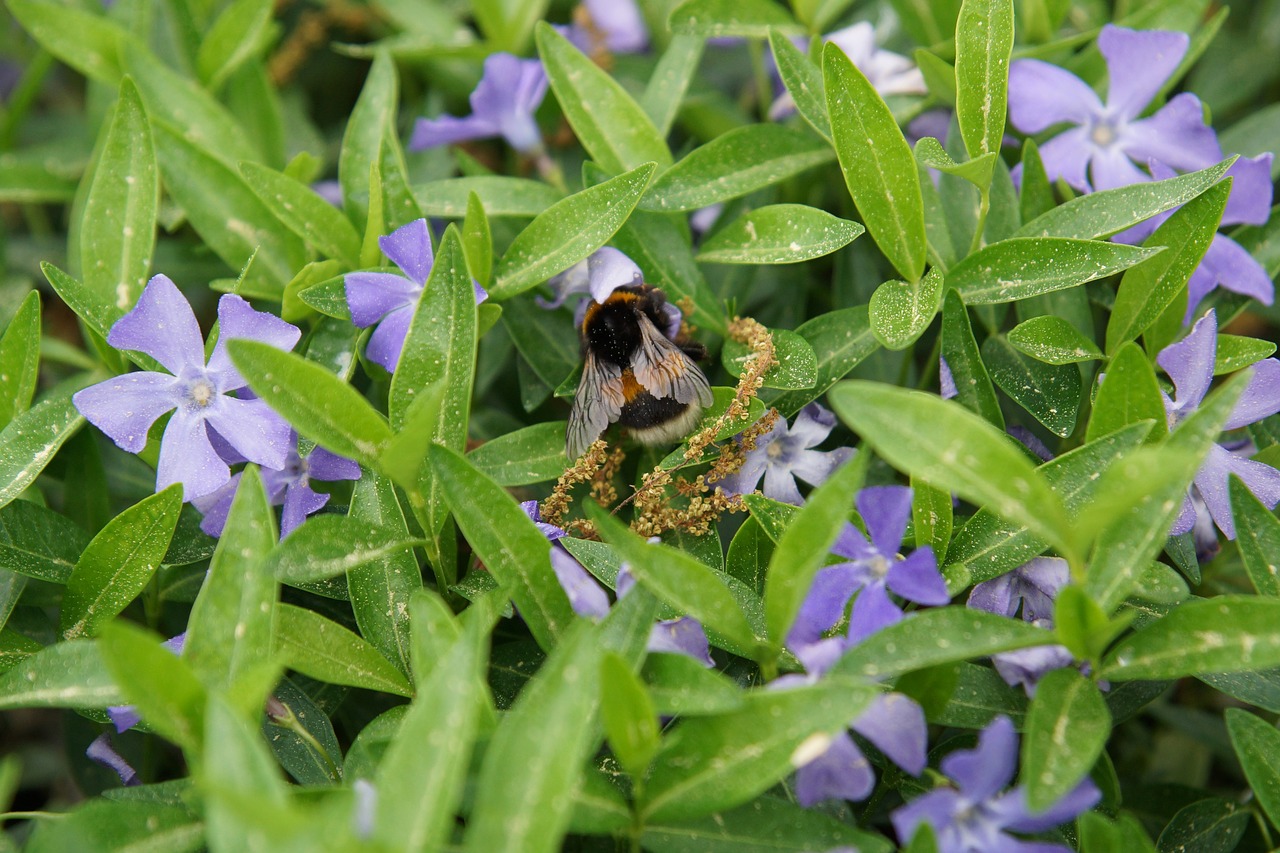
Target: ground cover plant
(952,527)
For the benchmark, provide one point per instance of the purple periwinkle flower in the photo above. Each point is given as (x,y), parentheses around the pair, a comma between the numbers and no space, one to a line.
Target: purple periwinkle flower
(977,815)
(163,326)
(503,104)
(783,454)
(599,275)
(103,752)
(1100,150)
(1028,591)
(290,486)
(873,570)
(1225,263)
(893,723)
(1189,363)
(124,717)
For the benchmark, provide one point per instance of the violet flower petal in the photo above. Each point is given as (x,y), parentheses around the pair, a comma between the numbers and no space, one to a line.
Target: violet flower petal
(238,319)
(995,596)
(812,426)
(916,578)
(447,129)
(1067,155)
(1251,191)
(251,427)
(896,725)
(325,465)
(124,407)
(586,596)
(1042,95)
(216,506)
(409,247)
(373,295)
(1111,167)
(683,636)
(886,510)
(842,772)
(1079,799)
(101,751)
(1189,363)
(852,545)
(607,270)
(983,771)
(507,95)
(300,500)
(815,466)
(1212,478)
(1261,396)
(1175,135)
(387,341)
(187,457)
(872,610)
(620,22)
(1138,64)
(780,485)
(163,326)
(936,808)
(1227,264)
(123,717)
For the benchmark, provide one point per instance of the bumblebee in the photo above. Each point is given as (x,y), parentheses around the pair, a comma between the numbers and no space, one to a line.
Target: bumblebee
(634,374)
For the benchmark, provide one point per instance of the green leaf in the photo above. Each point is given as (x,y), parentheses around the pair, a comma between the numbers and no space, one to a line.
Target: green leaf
(119,563)
(841,339)
(930,154)
(931,516)
(937,636)
(615,131)
(300,209)
(1229,633)
(64,675)
(1022,267)
(797,366)
(717,18)
(779,234)
(1257,745)
(803,80)
(90,43)
(1234,353)
(1147,289)
(322,649)
(974,390)
(120,825)
(1129,393)
(372,115)
(680,580)
(225,211)
(670,80)
(504,538)
(31,439)
(319,405)
(303,738)
(722,761)
(945,444)
(1066,729)
(1053,340)
(38,542)
(986,547)
(1036,198)
(329,545)
(507,24)
(984,43)
(380,590)
(878,166)
(533,454)
(1257,536)
(568,231)
(20,359)
(230,624)
(660,247)
(500,195)
(548,734)
(733,164)
(764,824)
(1101,214)
(238,32)
(160,686)
(417,799)
(1049,392)
(901,311)
(1124,549)
(678,684)
(805,546)
(118,223)
(1210,825)
(630,720)
(477,241)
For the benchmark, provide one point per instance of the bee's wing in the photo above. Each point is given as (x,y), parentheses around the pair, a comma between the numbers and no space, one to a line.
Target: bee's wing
(597,404)
(665,371)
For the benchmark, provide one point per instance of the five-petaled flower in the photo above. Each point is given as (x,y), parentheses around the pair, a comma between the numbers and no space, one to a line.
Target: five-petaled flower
(1029,591)
(782,454)
(163,326)
(290,487)
(389,300)
(1189,363)
(503,104)
(975,816)
(1099,152)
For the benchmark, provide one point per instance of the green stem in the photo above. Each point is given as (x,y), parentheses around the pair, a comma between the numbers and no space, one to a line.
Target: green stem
(764,86)
(550,171)
(984,205)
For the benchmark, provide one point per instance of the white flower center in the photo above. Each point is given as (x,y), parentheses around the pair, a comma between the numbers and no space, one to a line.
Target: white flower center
(879,565)
(200,393)
(1103,134)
